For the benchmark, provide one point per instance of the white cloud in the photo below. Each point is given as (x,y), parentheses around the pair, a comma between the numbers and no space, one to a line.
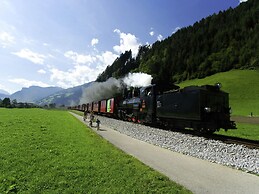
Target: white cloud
(80,73)
(79,58)
(41,71)
(241,1)
(6,39)
(176,29)
(31,56)
(152,33)
(28,83)
(107,58)
(127,42)
(160,37)
(94,41)
(2,87)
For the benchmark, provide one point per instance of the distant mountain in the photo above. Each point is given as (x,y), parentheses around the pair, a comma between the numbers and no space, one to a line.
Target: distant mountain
(67,97)
(34,93)
(2,96)
(4,92)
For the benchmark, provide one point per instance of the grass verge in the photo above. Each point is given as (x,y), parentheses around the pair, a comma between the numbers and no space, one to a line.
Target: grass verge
(46,151)
(244,130)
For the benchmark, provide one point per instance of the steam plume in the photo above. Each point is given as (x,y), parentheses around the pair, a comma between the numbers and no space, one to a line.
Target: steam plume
(104,90)
(137,79)
(101,90)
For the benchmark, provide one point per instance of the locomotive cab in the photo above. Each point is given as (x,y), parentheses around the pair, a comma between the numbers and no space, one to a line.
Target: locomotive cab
(148,104)
(129,107)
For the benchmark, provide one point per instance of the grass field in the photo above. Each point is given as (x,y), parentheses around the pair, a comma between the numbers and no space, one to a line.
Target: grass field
(46,151)
(244,130)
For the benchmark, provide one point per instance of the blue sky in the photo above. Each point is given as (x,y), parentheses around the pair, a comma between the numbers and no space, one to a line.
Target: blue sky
(69,42)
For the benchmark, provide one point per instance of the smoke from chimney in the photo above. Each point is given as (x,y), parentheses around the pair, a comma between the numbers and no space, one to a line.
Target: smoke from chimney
(104,90)
(137,79)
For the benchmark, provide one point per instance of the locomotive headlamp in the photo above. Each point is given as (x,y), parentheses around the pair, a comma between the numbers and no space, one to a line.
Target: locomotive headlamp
(207,109)
(218,85)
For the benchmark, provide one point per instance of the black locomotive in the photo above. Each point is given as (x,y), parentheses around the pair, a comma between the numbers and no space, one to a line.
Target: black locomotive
(202,108)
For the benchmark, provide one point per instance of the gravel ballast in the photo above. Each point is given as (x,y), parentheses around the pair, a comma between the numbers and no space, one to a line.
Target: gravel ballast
(235,156)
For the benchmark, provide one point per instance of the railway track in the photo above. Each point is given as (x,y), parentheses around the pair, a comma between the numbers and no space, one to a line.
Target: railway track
(254,144)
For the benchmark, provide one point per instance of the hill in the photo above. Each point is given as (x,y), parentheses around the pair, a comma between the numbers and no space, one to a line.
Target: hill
(241,86)
(66,97)
(4,94)
(219,43)
(34,93)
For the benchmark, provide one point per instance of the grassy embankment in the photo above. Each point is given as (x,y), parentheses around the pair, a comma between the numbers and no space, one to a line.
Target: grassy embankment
(45,151)
(243,96)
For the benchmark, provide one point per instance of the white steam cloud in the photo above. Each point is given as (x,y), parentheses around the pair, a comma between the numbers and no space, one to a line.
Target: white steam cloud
(105,90)
(137,79)
(101,90)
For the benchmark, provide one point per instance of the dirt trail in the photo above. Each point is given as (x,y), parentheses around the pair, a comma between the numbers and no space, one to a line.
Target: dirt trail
(242,119)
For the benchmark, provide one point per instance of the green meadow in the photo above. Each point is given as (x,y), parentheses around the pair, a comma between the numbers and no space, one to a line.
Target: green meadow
(50,151)
(244,130)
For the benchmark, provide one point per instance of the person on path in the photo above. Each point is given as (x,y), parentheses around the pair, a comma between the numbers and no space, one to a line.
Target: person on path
(85,115)
(98,124)
(91,118)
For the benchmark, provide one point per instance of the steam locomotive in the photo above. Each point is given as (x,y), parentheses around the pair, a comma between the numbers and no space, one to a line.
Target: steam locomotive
(202,108)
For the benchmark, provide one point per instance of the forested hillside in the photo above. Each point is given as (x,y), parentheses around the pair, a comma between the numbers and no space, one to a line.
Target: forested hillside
(221,42)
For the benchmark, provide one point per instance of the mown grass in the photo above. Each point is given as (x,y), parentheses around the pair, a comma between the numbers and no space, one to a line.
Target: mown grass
(244,130)
(46,151)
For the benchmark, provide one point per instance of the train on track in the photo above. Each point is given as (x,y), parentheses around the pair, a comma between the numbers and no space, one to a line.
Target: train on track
(203,108)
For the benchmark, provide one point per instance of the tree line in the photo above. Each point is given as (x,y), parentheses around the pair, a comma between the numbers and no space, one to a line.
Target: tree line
(221,42)
(7,103)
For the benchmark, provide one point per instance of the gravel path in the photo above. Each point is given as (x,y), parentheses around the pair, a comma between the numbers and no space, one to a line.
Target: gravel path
(249,119)
(235,156)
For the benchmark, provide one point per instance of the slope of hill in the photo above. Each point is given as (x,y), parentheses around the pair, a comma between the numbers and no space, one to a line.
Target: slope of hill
(66,97)
(34,93)
(241,86)
(4,94)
